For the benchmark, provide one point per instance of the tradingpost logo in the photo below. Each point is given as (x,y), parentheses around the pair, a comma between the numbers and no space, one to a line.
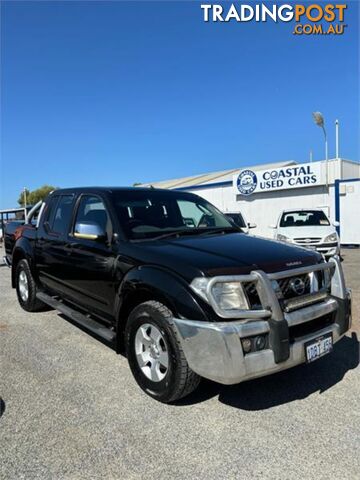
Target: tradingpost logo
(308,19)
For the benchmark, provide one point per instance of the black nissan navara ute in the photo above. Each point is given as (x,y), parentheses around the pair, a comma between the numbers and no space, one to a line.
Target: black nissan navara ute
(166,278)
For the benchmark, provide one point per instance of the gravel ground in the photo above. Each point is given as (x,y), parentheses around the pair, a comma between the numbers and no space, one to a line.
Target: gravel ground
(71,409)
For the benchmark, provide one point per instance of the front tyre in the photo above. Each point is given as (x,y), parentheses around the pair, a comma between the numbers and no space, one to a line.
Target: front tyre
(155,355)
(26,288)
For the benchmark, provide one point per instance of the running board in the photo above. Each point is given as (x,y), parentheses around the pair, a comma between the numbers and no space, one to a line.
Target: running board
(85,321)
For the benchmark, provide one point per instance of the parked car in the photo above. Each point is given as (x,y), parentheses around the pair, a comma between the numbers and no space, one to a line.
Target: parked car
(10,229)
(238,219)
(310,229)
(184,299)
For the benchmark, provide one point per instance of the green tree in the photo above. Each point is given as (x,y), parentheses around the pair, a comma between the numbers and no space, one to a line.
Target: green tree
(36,195)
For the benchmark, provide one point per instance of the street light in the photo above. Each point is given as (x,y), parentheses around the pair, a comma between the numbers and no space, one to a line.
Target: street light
(25,205)
(337,139)
(320,122)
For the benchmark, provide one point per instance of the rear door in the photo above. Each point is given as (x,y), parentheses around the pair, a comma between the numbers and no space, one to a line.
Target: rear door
(52,245)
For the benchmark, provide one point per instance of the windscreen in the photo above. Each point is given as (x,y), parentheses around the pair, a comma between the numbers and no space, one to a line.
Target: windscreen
(149,214)
(237,218)
(308,218)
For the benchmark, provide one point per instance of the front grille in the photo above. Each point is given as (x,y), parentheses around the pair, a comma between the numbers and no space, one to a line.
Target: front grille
(292,290)
(252,295)
(307,240)
(294,286)
(307,328)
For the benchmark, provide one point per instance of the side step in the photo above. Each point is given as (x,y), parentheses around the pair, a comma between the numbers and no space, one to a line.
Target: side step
(78,317)
(6,261)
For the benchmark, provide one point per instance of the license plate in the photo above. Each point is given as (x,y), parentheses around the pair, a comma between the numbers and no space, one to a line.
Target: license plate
(310,247)
(318,347)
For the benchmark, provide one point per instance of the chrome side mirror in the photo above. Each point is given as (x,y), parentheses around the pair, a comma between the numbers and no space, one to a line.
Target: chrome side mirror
(89,231)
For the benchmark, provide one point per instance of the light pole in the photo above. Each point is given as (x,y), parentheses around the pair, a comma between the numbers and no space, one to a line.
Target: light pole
(320,122)
(25,206)
(337,138)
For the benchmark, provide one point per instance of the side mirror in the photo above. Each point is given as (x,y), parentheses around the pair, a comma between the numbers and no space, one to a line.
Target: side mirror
(336,224)
(272,226)
(89,231)
(252,225)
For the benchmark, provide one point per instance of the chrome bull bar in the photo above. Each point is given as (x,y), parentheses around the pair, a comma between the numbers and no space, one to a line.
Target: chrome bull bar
(269,301)
(213,349)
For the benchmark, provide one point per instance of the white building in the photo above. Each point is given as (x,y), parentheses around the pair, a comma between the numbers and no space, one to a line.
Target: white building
(261,192)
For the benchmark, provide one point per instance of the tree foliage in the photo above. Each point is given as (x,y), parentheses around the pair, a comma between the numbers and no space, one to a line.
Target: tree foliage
(35,195)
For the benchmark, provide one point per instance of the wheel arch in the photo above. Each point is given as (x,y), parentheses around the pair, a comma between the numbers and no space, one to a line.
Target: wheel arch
(153,283)
(22,251)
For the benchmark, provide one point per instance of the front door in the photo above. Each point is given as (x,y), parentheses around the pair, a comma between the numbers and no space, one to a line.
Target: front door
(91,263)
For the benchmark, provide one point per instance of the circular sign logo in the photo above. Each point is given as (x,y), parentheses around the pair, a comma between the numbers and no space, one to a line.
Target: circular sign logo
(246,182)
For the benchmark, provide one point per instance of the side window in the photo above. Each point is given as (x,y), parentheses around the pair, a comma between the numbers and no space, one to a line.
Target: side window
(92,209)
(60,210)
(51,210)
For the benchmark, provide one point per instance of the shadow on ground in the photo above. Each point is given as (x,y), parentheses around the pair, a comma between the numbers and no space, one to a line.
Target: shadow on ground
(2,407)
(284,387)
(277,389)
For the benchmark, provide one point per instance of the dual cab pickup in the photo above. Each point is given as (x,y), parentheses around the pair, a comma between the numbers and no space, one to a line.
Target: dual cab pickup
(166,277)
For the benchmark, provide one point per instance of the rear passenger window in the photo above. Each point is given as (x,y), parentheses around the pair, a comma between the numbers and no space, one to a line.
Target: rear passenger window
(60,213)
(51,210)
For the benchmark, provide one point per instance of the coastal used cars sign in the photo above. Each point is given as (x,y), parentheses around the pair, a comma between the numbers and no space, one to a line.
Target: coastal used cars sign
(294,176)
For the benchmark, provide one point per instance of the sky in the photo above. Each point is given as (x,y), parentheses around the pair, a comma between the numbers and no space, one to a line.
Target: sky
(112,93)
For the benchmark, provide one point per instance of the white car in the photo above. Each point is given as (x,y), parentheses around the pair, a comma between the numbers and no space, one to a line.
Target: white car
(309,228)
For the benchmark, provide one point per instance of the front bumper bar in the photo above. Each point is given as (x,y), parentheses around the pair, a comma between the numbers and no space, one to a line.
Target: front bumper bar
(327,249)
(213,349)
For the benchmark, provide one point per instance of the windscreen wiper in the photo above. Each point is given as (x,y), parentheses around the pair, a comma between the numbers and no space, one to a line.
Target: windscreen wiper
(198,231)
(176,233)
(222,230)
(191,231)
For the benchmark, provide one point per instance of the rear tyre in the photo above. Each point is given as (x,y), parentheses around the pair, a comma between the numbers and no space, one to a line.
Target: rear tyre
(155,355)
(26,288)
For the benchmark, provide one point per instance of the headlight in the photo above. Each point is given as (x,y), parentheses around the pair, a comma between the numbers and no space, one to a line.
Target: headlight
(227,295)
(230,296)
(283,238)
(331,238)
